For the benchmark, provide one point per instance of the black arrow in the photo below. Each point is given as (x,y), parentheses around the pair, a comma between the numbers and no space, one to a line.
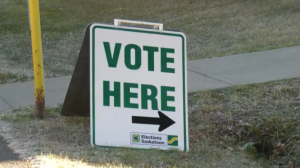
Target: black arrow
(163,121)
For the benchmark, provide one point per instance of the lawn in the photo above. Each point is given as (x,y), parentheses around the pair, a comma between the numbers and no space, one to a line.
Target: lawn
(242,126)
(214,28)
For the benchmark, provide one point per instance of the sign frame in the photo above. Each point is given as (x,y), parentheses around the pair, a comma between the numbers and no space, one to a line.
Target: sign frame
(95,26)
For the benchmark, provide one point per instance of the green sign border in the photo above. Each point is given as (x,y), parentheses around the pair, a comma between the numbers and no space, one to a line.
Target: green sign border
(138,31)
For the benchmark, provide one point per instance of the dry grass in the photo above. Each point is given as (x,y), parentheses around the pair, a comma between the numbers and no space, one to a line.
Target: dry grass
(64,142)
(54,161)
(266,114)
(15,164)
(213,28)
(217,122)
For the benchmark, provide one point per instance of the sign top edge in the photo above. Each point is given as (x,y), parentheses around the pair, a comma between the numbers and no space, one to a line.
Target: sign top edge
(178,32)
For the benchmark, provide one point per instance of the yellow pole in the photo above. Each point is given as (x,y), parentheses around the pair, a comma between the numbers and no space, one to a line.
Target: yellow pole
(37,56)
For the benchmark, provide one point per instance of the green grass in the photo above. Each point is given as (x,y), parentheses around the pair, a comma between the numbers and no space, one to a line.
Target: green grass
(213,28)
(12,77)
(243,126)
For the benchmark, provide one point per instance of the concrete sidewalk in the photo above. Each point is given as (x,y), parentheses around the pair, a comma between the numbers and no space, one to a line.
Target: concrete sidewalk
(205,74)
(249,68)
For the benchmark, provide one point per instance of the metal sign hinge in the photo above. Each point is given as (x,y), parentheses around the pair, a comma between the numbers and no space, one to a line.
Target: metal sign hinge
(157,26)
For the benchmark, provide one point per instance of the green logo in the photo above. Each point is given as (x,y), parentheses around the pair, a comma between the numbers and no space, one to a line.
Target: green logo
(136,138)
(172,140)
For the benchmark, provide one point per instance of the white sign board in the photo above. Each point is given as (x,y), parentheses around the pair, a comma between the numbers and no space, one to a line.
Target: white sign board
(138,88)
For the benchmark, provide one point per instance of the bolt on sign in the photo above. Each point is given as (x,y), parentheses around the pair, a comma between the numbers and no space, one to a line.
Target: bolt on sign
(138,88)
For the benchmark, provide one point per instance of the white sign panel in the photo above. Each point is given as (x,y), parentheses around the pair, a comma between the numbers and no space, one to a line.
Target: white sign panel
(138,88)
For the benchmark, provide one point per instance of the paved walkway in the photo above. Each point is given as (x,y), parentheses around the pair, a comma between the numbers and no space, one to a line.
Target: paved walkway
(6,153)
(256,67)
(203,74)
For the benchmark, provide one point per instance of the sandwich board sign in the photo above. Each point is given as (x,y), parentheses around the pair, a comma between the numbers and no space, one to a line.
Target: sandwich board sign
(138,89)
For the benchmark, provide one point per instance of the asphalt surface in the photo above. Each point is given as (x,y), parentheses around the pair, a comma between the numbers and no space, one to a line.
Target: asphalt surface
(6,153)
(8,159)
